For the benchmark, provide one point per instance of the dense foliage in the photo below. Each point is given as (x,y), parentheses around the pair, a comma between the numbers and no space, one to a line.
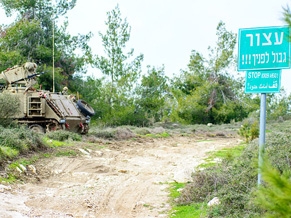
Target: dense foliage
(35,36)
(209,91)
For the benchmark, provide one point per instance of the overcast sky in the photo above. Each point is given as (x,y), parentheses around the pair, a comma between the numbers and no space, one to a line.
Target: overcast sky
(166,31)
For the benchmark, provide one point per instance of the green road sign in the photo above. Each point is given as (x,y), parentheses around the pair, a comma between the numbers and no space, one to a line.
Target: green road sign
(263,81)
(264,48)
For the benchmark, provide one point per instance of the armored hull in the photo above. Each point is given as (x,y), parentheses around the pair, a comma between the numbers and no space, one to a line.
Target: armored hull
(42,110)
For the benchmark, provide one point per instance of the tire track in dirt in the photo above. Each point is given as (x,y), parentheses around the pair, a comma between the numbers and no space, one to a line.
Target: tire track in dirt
(124,180)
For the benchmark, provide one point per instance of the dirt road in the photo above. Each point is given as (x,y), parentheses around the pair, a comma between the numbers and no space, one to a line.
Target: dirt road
(121,179)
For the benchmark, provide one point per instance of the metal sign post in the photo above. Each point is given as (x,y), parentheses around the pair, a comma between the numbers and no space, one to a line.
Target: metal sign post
(262,138)
(263,52)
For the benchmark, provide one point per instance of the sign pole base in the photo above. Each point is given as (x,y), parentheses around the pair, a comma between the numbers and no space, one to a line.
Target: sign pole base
(262,138)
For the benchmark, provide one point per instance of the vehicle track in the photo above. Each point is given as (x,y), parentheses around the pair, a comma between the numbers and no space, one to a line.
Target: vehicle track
(121,179)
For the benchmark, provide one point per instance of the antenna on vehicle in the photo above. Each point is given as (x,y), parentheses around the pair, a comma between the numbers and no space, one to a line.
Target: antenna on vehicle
(53,56)
(53,51)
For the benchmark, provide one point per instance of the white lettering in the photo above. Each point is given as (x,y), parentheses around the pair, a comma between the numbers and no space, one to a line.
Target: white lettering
(258,39)
(277,39)
(265,75)
(268,39)
(254,75)
(251,39)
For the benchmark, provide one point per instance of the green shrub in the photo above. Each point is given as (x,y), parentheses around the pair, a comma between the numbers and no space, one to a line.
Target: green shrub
(20,138)
(66,154)
(158,135)
(204,184)
(278,149)
(142,131)
(9,107)
(120,133)
(105,133)
(16,141)
(274,195)
(249,130)
(62,135)
(9,152)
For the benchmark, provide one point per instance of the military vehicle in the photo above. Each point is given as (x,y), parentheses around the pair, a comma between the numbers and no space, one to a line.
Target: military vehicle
(41,110)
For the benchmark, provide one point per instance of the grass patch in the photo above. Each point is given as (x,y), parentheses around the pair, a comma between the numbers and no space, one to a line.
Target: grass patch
(69,153)
(24,161)
(46,155)
(184,211)
(54,143)
(10,178)
(189,211)
(12,174)
(9,152)
(225,153)
(158,135)
(175,188)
